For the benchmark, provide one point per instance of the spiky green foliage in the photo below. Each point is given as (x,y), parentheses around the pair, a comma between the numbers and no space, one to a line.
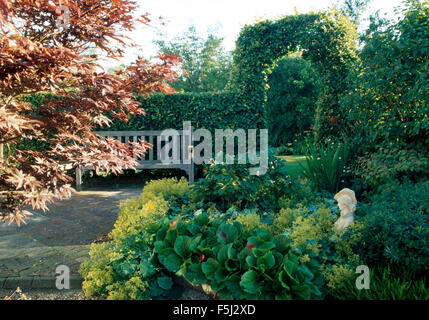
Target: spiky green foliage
(326,165)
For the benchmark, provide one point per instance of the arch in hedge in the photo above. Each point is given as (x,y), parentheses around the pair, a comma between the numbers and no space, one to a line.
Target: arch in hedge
(327,39)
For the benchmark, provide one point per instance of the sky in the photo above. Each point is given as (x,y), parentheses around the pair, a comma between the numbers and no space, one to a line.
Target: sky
(225,18)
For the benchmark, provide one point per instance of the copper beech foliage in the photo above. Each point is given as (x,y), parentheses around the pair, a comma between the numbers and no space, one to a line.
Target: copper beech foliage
(39,55)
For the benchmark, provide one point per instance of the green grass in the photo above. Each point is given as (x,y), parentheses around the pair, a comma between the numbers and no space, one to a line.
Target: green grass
(292,164)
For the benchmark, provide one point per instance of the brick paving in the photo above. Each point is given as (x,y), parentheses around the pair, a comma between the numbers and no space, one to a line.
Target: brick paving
(30,254)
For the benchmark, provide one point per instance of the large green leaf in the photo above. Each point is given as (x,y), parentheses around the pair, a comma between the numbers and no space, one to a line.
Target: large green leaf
(209,267)
(302,291)
(169,259)
(165,282)
(266,262)
(182,246)
(233,284)
(284,279)
(261,243)
(195,242)
(250,282)
(194,274)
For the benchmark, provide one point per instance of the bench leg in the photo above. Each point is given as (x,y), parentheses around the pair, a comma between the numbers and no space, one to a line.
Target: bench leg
(79,178)
(191,173)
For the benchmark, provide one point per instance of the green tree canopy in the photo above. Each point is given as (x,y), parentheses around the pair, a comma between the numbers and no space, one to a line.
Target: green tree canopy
(205,63)
(388,99)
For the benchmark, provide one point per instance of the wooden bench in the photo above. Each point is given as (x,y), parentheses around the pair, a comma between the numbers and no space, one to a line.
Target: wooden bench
(152,158)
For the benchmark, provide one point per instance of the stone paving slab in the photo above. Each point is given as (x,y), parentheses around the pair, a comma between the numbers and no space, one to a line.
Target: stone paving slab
(30,254)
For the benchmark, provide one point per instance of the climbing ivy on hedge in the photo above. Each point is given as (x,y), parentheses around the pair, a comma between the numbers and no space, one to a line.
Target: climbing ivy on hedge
(327,39)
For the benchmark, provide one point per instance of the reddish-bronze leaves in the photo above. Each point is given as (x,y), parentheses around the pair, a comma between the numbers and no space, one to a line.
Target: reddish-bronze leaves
(38,56)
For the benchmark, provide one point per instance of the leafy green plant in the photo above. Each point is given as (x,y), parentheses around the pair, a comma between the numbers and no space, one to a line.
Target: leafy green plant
(236,263)
(326,165)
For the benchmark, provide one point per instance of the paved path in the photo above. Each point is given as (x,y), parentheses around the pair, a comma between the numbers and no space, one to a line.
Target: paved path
(30,254)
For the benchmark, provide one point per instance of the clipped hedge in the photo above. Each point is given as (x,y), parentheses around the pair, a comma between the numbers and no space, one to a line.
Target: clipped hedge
(212,110)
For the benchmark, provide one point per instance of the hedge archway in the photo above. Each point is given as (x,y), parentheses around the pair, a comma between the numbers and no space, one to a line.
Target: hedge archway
(327,39)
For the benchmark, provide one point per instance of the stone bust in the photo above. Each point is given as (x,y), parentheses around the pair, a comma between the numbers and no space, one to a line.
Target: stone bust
(347,203)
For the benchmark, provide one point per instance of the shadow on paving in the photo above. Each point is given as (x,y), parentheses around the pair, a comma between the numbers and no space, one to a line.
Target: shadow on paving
(62,235)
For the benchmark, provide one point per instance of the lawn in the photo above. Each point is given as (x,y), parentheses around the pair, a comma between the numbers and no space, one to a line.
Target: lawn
(294,164)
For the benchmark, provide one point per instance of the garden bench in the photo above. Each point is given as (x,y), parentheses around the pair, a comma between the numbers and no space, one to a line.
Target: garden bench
(152,159)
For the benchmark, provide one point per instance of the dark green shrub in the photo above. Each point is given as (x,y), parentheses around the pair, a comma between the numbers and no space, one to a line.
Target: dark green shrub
(397,227)
(393,164)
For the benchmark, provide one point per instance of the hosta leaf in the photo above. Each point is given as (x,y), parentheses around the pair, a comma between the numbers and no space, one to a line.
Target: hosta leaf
(290,267)
(260,243)
(233,284)
(201,220)
(306,272)
(159,245)
(171,236)
(232,253)
(220,275)
(222,255)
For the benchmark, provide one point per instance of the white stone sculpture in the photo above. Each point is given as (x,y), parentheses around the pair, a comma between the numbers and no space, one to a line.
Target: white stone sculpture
(347,203)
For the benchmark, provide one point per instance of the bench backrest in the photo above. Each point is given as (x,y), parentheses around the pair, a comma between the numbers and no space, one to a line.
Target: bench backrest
(153,137)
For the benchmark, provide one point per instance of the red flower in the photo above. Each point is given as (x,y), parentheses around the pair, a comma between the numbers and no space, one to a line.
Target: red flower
(333,120)
(173,223)
(250,246)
